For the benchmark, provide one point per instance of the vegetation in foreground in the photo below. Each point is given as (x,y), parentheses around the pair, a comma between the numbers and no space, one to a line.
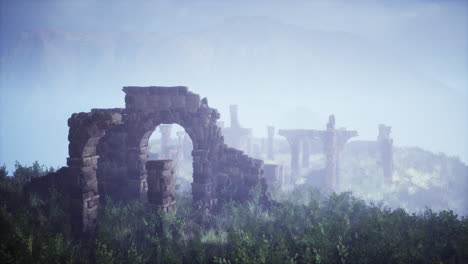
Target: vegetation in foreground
(307,227)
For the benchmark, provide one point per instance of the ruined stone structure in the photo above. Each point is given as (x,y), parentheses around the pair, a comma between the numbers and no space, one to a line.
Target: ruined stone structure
(271,143)
(180,145)
(333,141)
(109,149)
(237,136)
(382,149)
(161,190)
(297,138)
(385,145)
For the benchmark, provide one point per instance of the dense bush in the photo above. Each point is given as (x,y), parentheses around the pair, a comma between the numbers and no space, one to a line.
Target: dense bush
(306,227)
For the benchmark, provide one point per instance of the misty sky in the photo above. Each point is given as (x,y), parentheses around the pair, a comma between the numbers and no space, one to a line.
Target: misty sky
(286,63)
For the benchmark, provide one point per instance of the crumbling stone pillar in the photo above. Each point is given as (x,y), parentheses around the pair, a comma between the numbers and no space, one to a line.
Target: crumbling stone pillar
(86,130)
(294,137)
(330,150)
(161,191)
(180,145)
(385,144)
(203,186)
(295,154)
(271,142)
(187,147)
(234,109)
(165,139)
(334,141)
(236,136)
(137,156)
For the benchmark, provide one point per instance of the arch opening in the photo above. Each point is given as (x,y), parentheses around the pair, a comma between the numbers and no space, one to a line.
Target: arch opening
(171,142)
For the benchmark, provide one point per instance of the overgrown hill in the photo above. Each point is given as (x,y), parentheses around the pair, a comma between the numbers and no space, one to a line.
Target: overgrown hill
(421,179)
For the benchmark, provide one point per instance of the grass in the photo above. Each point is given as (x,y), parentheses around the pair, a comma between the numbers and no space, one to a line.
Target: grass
(306,227)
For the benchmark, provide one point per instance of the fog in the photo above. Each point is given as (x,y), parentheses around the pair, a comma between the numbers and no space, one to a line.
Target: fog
(285,63)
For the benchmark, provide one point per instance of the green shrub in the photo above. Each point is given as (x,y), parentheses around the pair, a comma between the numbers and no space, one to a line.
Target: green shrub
(306,227)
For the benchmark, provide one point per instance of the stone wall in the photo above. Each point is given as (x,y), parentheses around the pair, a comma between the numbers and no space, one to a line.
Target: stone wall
(41,186)
(238,173)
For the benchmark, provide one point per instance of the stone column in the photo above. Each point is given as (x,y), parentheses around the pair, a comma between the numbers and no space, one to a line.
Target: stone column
(281,175)
(165,139)
(330,150)
(334,141)
(180,145)
(160,184)
(84,191)
(305,153)
(234,116)
(203,186)
(295,153)
(136,173)
(271,142)
(187,147)
(385,144)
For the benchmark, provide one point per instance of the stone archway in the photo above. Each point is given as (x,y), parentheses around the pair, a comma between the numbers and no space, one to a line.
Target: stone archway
(121,136)
(145,111)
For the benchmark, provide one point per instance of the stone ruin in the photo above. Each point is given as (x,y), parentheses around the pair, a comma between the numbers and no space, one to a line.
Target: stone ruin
(382,148)
(237,136)
(108,150)
(271,143)
(385,145)
(333,141)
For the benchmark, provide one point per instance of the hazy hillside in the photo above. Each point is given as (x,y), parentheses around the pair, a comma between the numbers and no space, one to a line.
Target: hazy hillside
(421,179)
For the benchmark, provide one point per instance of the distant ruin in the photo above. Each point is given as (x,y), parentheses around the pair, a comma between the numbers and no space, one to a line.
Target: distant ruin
(108,150)
(333,141)
(237,136)
(382,149)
